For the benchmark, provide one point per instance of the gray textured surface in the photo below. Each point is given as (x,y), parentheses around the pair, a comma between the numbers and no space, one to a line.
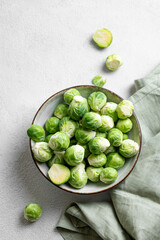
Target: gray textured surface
(45,46)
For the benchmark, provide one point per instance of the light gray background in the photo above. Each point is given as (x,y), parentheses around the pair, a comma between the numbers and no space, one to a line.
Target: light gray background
(46,46)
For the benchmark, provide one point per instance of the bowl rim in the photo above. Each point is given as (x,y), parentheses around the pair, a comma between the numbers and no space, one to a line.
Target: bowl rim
(134,163)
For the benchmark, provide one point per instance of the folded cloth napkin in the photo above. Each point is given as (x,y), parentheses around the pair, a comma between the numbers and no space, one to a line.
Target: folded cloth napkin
(134,212)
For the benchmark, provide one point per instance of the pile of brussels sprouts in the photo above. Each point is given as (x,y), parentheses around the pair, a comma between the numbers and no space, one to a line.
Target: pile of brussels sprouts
(86,139)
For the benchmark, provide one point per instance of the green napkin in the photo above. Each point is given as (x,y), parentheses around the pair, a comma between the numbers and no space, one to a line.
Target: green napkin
(134,212)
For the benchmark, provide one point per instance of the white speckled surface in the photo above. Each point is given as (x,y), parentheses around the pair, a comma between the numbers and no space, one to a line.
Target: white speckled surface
(46,46)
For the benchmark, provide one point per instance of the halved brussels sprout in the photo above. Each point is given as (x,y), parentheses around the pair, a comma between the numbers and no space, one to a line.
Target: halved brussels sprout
(99,81)
(108,175)
(103,37)
(128,148)
(110,109)
(70,94)
(125,125)
(115,137)
(125,136)
(32,212)
(48,138)
(94,173)
(52,125)
(113,62)
(91,120)
(107,123)
(58,158)
(125,109)
(97,100)
(59,174)
(98,145)
(78,107)
(61,111)
(42,151)
(74,155)
(115,160)
(78,177)
(59,141)
(97,160)
(36,133)
(83,136)
(101,134)
(110,150)
(68,126)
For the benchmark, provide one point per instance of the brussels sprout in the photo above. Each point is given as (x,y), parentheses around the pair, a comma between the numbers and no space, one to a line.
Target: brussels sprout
(74,155)
(58,158)
(100,134)
(107,123)
(48,138)
(36,133)
(128,148)
(86,150)
(68,126)
(97,100)
(94,173)
(78,177)
(98,145)
(73,141)
(110,110)
(108,175)
(59,174)
(97,160)
(115,137)
(125,109)
(32,212)
(83,136)
(78,107)
(59,141)
(125,125)
(115,160)
(52,125)
(61,111)
(125,136)
(70,94)
(91,120)
(103,37)
(113,62)
(42,151)
(110,150)
(99,81)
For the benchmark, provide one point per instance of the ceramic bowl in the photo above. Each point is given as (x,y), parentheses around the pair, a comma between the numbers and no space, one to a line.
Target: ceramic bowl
(46,111)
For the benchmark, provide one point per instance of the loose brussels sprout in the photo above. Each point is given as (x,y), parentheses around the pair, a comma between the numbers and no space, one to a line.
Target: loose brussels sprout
(78,177)
(58,158)
(97,100)
(86,150)
(78,107)
(128,148)
(125,125)
(68,126)
(108,175)
(110,110)
(59,174)
(61,111)
(73,141)
(42,151)
(107,123)
(32,212)
(113,62)
(94,173)
(125,136)
(115,137)
(100,134)
(103,37)
(52,125)
(91,120)
(99,81)
(48,138)
(98,145)
(110,150)
(74,155)
(83,136)
(125,109)
(36,133)
(97,160)
(59,141)
(115,160)
(70,94)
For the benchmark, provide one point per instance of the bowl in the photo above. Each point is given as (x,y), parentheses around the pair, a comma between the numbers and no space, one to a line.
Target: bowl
(46,111)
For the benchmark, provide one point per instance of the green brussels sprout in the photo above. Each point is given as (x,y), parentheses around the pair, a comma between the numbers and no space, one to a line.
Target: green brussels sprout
(98,145)
(91,120)
(94,173)
(59,141)
(83,136)
(52,125)
(58,158)
(36,133)
(74,155)
(110,109)
(86,150)
(32,212)
(108,175)
(73,141)
(68,126)
(115,137)
(128,148)
(59,174)
(115,160)
(78,177)
(113,62)
(125,125)
(78,107)
(42,151)
(101,134)
(97,160)
(125,136)
(107,123)
(48,138)
(102,37)
(97,100)
(70,94)
(125,109)
(110,150)
(61,111)
(99,81)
